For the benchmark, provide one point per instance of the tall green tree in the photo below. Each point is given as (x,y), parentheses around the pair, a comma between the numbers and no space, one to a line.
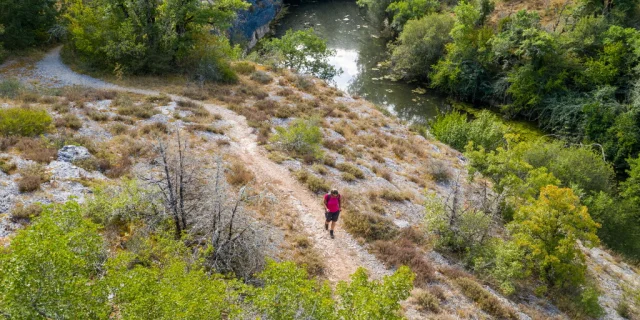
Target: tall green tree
(548,230)
(26,22)
(154,36)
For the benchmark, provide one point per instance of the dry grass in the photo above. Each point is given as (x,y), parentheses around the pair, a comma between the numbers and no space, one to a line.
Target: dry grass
(368,226)
(261,77)
(156,128)
(7,166)
(22,212)
(484,299)
(403,252)
(36,150)
(426,301)
(351,169)
(31,178)
(142,111)
(348,177)
(306,256)
(97,115)
(69,120)
(80,95)
(314,183)
(439,170)
(239,175)
(160,99)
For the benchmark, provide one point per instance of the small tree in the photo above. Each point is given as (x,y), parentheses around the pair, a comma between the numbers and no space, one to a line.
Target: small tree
(302,137)
(549,230)
(303,51)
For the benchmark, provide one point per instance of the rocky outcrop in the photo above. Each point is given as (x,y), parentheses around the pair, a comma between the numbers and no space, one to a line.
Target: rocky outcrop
(253,24)
(73,153)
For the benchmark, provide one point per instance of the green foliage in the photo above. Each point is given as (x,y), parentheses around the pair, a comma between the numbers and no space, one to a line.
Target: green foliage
(52,267)
(457,228)
(170,287)
(11,88)
(26,122)
(405,10)
(120,205)
(548,230)
(302,137)
(288,293)
(362,299)
(154,37)
(485,131)
(303,51)
(26,23)
(421,44)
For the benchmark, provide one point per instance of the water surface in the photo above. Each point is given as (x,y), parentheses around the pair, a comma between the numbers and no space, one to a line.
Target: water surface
(359,49)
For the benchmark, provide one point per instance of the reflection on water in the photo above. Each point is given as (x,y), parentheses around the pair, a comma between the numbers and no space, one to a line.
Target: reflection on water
(359,49)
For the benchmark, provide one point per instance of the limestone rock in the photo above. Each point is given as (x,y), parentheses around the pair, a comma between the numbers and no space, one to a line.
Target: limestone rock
(73,153)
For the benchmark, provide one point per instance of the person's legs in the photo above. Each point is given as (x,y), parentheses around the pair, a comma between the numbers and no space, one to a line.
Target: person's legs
(333,225)
(326,224)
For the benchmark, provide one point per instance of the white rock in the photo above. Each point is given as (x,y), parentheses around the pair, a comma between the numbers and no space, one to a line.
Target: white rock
(73,153)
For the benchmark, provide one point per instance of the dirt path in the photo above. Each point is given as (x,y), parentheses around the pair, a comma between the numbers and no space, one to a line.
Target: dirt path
(343,255)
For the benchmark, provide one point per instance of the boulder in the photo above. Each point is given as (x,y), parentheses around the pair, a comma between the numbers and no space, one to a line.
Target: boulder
(73,153)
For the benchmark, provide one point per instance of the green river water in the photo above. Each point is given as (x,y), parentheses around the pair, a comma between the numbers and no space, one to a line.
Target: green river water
(359,49)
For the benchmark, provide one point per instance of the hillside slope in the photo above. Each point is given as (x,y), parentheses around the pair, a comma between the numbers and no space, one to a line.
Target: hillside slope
(380,166)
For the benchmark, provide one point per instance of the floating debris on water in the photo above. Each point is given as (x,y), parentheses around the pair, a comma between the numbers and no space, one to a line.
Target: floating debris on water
(389,90)
(375,69)
(419,90)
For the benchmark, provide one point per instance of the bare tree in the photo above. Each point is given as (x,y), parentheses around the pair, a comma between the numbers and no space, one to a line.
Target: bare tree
(203,206)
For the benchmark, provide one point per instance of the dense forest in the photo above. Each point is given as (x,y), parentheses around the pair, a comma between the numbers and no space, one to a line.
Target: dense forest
(114,256)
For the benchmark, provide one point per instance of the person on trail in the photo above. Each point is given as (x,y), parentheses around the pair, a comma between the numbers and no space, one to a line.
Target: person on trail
(332,202)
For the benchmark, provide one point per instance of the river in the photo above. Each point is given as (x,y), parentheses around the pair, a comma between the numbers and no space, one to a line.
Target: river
(359,49)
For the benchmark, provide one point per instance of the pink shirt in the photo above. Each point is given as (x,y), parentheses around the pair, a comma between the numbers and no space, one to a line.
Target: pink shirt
(333,203)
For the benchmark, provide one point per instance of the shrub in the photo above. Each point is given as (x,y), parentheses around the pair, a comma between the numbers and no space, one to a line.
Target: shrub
(452,129)
(439,170)
(371,227)
(26,122)
(7,166)
(427,301)
(10,88)
(348,177)
(156,128)
(159,99)
(243,67)
(261,77)
(69,120)
(118,128)
(393,195)
(22,212)
(405,253)
(31,178)
(485,300)
(37,150)
(314,183)
(319,168)
(96,115)
(350,168)
(199,111)
(143,111)
(303,137)
(239,175)
(60,254)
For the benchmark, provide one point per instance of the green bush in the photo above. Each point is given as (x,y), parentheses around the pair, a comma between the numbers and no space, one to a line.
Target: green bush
(421,44)
(314,183)
(26,122)
(302,137)
(261,77)
(351,169)
(243,67)
(60,255)
(452,129)
(11,88)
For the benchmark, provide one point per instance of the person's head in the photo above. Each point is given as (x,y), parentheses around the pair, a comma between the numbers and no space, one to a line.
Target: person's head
(334,192)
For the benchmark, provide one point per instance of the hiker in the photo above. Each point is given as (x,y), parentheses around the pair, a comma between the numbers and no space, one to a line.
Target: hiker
(332,202)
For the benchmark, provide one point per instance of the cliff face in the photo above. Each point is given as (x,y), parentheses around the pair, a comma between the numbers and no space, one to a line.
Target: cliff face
(253,24)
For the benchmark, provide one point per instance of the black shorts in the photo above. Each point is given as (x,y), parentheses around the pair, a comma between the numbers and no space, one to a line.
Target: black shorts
(332,216)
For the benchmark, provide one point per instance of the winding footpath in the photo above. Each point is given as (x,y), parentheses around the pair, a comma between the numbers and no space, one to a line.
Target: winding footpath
(342,255)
